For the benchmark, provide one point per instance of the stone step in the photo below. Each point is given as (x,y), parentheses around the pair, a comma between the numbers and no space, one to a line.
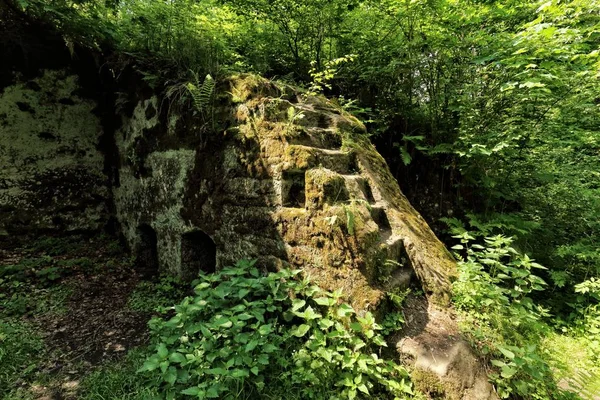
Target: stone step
(306,157)
(394,246)
(358,187)
(322,138)
(379,216)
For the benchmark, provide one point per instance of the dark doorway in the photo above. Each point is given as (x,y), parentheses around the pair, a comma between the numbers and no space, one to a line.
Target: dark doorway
(146,254)
(198,253)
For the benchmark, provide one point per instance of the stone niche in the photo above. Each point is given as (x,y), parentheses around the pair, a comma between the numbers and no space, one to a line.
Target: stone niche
(308,192)
(51,175)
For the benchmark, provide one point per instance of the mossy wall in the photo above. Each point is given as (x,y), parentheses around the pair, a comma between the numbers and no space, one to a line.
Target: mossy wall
(268,174)
(277,176)
(52,170)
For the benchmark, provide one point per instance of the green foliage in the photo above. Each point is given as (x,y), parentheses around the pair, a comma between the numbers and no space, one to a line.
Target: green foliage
(394,319)
(350,219)
(29,286)
(118,380)
(20,351)
(494,293)
(249,335)
(157,296)
(587,384)
(202,93)
(320,78)
(296,32)
(497,100)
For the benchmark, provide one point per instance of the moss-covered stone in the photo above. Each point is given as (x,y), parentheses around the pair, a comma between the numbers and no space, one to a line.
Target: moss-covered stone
(429,384)
(52,170)
(323,187)
(292,180)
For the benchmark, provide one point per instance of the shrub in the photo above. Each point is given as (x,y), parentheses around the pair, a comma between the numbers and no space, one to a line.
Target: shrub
(506,324)
(249,335)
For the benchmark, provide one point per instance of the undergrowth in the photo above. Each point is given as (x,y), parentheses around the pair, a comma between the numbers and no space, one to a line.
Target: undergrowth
(499,315)
(157,296)
(20,351)
(245,335)
(118,380)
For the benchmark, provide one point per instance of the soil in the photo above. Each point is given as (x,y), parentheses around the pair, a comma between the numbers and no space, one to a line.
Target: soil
(96,326)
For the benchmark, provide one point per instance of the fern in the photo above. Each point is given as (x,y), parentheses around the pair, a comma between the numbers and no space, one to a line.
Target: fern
(202,94)
(406,158)
(586,383)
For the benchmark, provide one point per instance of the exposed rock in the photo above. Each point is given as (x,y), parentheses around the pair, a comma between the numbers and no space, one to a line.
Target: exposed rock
(51,176)
(289,183)
(444,362)
(268,174)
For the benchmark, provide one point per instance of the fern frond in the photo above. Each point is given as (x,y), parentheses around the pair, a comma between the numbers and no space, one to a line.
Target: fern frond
(202,95)
(350,220)
(206,92)
(406,158)
(586,383)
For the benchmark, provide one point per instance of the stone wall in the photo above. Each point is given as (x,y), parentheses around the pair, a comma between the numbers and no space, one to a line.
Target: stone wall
(268,173)
(288,179)
(51,175)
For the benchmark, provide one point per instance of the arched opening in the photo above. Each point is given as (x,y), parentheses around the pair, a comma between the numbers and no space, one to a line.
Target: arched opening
(146,254)
(198,253)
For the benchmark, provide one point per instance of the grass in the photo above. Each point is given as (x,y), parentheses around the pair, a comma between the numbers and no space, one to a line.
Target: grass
(154,296)
(118,380)
(36,281)
(21,349)
(573,363)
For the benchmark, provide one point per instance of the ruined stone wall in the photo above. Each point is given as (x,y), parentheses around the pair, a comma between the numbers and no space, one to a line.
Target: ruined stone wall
(268,173)
(51,175)
(288,179)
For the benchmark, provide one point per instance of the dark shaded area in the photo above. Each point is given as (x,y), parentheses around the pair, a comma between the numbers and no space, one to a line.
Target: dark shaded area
(428,184)
(293,190)
(198,253)
(146,253)
(27,45)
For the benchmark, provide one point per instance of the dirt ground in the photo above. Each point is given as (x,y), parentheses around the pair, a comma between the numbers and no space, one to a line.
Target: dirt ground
(94,325)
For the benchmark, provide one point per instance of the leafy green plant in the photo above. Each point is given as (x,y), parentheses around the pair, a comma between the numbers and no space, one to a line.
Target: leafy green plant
(157,296)
(118,380)
(350,219)
(394,319)
(202,93)
(249,335)
(320,78)
(494,293)
(293,115)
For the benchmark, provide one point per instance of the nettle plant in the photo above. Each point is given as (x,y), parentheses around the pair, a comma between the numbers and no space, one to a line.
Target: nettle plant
(249,335)
(493,291)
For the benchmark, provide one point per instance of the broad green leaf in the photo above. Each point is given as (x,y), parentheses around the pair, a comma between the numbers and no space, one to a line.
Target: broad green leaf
(192,391)
(300,330)
(162,350)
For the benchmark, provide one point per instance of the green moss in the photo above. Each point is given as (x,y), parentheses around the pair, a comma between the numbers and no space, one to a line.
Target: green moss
(324,187)
(300,157)
(428,383)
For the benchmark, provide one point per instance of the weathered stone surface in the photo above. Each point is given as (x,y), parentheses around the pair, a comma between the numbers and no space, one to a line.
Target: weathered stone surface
(274,175)
(290,181)
(51,175)
(293,183)
(444,361)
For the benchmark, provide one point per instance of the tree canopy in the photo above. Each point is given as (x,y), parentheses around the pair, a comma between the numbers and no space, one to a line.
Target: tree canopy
(488,111)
